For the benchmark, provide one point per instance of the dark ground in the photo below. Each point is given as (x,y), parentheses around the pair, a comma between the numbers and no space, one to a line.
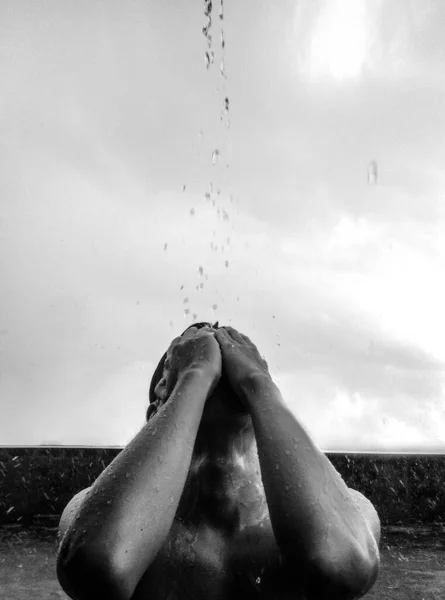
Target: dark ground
(412,568)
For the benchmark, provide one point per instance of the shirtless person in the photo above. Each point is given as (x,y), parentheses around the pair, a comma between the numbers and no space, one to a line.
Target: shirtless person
(221,495)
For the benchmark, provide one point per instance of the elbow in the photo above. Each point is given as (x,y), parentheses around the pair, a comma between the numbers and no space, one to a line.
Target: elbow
(86,575)
(342,577)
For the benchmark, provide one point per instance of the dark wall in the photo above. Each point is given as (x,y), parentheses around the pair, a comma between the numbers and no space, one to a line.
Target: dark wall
(37,483)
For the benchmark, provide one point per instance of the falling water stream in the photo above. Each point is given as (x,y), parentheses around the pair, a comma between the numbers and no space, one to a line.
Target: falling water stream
(214,196)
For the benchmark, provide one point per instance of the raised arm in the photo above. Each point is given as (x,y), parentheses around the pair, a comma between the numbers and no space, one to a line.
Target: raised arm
(318,523)
(128,512)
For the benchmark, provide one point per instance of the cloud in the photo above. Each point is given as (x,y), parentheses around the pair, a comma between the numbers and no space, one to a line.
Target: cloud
(338,282)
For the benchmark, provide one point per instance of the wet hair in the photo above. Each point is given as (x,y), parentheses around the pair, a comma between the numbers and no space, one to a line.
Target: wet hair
(157,375)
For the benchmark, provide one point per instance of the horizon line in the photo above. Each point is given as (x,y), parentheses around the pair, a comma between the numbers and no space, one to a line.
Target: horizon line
(119,447)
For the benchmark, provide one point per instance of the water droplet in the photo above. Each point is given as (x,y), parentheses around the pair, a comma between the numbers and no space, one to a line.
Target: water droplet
(157,489)
(160,459)
(182,287)
(183,188)
(201,285)
(187,311)
(258,580)
(225,215)
(207,197)
(277,466)
(209,59)
(286,487)
(372,173)
(194,316)
(207,26)
(201,271)
(127,475)
(215,156)
(237,298)
(214,307)
(185,301)
(108,502)
(165,246)
(287,452)
(226,263)
(226,104)
(223,43)
(192,212)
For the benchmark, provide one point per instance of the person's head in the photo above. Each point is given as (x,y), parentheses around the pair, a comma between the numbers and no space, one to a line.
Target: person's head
(222,396)
(155,401)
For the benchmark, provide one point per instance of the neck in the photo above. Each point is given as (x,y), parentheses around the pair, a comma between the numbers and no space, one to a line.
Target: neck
(224,488)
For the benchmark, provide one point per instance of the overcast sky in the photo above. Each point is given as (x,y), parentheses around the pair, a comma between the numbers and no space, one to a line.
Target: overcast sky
(314,205)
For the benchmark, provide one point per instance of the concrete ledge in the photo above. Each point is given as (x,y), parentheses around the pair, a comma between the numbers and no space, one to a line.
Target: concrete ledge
(36,483)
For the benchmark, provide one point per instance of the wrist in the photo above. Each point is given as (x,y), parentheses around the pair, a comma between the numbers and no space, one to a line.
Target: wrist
(196,375)
(255,386)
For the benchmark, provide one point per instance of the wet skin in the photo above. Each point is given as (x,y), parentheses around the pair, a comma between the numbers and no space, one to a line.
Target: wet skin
(222,494)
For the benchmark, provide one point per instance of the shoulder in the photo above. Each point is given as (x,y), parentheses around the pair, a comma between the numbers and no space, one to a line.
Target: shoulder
(369,513)
(70,512)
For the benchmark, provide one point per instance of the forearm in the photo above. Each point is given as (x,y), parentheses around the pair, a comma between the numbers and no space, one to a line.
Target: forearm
(311,510)
(131,506)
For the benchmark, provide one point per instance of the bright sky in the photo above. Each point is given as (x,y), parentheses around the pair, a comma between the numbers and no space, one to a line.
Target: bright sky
(318,223)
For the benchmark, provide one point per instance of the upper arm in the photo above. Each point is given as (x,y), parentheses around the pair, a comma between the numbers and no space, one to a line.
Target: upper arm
(70,512)
(369,513)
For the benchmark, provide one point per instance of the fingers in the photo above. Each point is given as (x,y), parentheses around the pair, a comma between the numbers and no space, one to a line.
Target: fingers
(172,345)
(189,333)
(223,337)
(161,390)
(234,334)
